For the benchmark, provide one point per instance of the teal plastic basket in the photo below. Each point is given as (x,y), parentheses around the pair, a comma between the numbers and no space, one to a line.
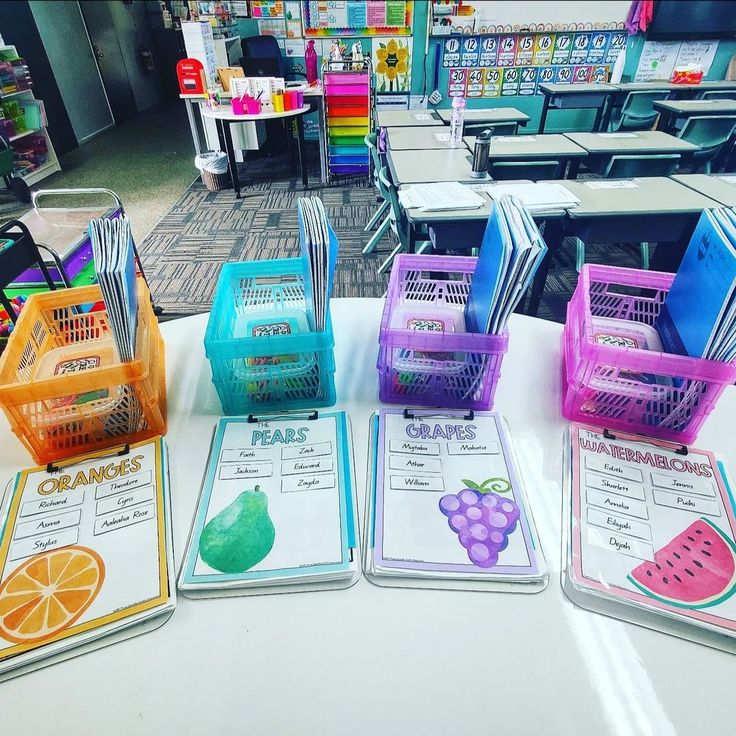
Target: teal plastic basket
(274,371)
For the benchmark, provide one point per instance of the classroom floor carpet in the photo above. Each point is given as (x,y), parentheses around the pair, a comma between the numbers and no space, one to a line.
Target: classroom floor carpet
(184,252)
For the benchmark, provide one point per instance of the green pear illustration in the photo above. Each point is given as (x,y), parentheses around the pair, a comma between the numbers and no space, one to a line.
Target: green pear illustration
(240,536)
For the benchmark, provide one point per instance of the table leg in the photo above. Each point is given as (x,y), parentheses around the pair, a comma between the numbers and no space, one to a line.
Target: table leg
(543,116)
(290,143)
(302,152)
(599,117)
(553,235)
(193,126)
(572,172)
(231,156)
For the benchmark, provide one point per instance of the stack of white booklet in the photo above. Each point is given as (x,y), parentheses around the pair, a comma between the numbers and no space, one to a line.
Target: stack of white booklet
(446,505)
(277,508)
(650,535)
(536,197)
(449,195)
(319,252)
(86,556)
(112,248)
(511,251)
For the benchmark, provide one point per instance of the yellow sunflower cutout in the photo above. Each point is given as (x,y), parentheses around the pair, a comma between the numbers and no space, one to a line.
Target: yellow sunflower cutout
(393,66)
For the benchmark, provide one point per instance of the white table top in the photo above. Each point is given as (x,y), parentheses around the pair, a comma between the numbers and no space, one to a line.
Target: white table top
(722,187)
(488,115)
(407,118)
(230,115)
(643,141)
(519,147)
(696,107)
(309,91)
(588,88)
(452,164)
(367,660)
(429,137)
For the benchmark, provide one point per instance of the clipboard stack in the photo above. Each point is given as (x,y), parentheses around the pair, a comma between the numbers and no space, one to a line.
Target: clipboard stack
(446,505)
(86,556)
(269,335)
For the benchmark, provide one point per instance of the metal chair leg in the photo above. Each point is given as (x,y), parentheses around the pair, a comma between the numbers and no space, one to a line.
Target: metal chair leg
(387,263)
(377,236)
(579,254)
(376,216)
(644,250)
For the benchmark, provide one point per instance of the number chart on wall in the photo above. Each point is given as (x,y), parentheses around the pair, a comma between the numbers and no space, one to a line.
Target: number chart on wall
(357,17)
(517,63)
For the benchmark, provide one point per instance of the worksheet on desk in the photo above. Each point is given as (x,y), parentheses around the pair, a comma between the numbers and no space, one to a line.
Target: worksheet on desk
(83,547)
(424,465)
(276,502)
(653,526)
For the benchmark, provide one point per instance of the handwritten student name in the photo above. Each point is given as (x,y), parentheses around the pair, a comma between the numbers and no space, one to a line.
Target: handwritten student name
(42,544)
(656,460)
(620,525)
(619,545)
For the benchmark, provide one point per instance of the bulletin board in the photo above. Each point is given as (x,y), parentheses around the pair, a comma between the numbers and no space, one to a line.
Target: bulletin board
(517,63)
(357,17)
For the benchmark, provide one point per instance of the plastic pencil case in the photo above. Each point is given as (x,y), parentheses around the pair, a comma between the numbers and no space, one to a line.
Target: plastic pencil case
(93,401)
(270,371)
(447,369)
(630,389)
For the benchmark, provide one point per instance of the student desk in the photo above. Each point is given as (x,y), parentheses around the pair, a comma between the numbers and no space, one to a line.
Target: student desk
(304,662)
(612,211)
(531,147)
(407,118)
(452,164)
(224,118)
(721,188)
(418,139)
(313,95)
(673,109)
(489,115)
(577,97)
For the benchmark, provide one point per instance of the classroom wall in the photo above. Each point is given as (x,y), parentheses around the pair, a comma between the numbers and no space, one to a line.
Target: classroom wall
(533,11)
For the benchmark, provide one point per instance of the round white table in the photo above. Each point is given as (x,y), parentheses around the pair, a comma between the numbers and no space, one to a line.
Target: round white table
(224,117)
(372,660)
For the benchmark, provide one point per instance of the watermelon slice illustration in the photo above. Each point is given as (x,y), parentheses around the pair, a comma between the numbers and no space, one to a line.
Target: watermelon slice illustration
(696,569)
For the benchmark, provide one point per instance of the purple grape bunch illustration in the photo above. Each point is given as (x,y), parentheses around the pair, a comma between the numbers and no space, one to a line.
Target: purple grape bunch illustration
(482,519)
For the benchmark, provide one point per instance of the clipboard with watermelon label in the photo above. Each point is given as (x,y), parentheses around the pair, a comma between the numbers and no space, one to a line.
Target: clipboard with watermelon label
(650,535)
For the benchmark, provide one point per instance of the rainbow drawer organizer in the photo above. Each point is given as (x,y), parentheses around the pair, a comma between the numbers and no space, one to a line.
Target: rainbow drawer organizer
(348,115)
(445,369)
(627,388)
(262,354)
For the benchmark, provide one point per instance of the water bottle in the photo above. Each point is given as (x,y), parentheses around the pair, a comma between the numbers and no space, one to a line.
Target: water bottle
(310,61)
(456,122)
(480,154)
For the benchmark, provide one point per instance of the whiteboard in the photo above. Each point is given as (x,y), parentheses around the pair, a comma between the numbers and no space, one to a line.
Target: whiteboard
(505,16)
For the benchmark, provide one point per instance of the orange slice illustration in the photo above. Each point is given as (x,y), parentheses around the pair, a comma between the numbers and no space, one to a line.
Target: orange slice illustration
(48,593)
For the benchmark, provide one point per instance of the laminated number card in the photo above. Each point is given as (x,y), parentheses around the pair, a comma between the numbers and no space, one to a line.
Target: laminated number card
(277,508)
(85,555)
(651,536)
(446,504)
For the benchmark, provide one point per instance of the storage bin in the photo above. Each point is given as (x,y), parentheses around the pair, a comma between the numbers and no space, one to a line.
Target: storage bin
(630,389)
(445,369)
(62,386)
(280,369)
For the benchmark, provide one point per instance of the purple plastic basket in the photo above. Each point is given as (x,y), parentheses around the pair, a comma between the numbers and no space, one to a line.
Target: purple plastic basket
(411,367)
(640,391)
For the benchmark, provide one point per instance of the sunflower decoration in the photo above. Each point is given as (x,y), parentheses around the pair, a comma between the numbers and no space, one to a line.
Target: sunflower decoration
(392,66)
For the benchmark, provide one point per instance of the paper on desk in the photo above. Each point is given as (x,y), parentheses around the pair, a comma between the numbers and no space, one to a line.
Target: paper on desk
(448,195)
(612,184)
(618,135)
(536,197)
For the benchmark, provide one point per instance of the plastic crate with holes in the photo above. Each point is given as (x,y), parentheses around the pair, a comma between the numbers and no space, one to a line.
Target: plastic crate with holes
(62,385)
(626,387)
(435,362)
(262,350)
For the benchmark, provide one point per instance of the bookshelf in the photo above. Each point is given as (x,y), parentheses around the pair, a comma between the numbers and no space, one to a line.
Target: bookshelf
(23,121)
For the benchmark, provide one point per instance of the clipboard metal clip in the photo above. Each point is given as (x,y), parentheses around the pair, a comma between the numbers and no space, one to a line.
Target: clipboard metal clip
(408,414)
(681,450)
(309,416)
(52,468)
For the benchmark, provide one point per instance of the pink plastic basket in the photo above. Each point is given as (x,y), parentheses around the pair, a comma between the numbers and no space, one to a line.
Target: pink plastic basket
(446,369)
(642,391)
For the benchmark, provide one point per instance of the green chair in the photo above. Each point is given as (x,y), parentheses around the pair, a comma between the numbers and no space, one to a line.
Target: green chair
(628,167)
(718,94)
(371,140)
(711,134)
(392,196)
(472,128)
(637,112)
(534,170)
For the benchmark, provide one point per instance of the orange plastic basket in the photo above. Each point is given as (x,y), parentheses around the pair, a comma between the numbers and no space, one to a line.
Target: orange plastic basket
(94,401)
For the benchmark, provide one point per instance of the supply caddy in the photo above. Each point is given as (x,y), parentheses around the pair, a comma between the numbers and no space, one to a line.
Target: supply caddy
(615,383)
(262,352)
(430,363)
(62,385)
